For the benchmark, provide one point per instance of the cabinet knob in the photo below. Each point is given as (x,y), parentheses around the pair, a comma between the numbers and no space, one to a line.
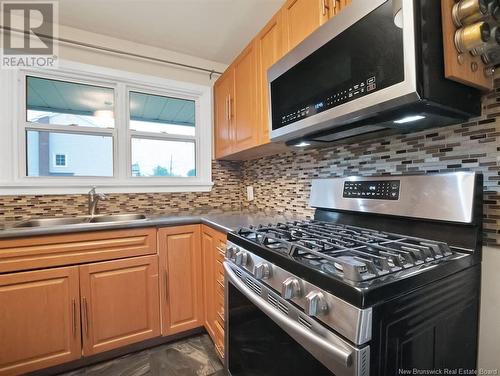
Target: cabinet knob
(291,288)
(316,304)
(262,270)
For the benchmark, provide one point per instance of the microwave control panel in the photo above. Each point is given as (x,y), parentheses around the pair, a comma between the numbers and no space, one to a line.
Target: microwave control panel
(379,189)
(333,100)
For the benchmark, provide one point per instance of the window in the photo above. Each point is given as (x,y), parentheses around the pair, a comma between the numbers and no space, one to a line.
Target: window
(63,115)
(91,155)
(163,136)
(68,103)
(81,125)
(60,160)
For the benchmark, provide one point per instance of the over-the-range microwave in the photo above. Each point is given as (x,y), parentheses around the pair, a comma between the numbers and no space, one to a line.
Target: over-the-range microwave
(377,66)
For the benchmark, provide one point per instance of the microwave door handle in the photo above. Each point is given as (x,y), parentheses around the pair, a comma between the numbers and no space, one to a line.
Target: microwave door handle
(308,339)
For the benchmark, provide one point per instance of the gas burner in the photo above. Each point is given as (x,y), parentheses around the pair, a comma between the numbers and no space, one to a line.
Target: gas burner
(350,260)
(350,252)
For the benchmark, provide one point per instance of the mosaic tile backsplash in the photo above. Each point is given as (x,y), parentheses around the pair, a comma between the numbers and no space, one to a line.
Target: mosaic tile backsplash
(225,196)
(282,183)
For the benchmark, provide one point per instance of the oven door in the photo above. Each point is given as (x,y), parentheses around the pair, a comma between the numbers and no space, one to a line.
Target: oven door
(266,335)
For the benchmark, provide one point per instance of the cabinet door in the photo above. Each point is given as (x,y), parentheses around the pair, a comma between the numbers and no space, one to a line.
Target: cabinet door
(182,287)
(246,131)
(269,49)
(223,94)
(301,18)
(209,243)
(39,319)
(120,303)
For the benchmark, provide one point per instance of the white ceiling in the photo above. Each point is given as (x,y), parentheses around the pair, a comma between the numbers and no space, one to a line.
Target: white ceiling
(216,30)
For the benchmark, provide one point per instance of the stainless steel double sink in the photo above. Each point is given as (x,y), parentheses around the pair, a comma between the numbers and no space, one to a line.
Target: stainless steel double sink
(80,220)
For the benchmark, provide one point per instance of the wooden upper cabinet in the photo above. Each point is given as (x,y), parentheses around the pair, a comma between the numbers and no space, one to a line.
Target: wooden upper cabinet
(269,50)
(241,93)
(39,320)
(119,303)
(301,18)
(181,286)
(246,131)
(223,97)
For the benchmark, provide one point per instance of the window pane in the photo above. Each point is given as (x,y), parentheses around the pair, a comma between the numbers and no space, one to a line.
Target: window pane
(68,154)
(67,103)
(163,158)
(154,113)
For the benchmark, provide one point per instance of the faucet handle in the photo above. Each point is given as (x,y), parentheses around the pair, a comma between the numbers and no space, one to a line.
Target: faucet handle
(102,196)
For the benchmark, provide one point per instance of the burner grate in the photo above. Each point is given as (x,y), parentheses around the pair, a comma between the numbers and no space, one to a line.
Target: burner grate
(351,252)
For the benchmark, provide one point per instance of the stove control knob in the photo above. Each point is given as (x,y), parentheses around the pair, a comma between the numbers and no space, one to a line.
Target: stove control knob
(241,258)
(231,252)
(262,270)
(316,304)
(291,288)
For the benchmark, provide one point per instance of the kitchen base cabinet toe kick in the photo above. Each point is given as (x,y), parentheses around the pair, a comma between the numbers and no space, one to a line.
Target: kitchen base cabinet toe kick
(99,295)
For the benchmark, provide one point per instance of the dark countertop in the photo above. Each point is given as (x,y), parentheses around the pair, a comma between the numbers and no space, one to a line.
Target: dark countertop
(224,222)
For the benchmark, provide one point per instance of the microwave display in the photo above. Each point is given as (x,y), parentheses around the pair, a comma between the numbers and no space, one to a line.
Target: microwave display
(366,57)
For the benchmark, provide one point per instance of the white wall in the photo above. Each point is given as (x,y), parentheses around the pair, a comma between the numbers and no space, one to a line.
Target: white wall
(489,335)
(110,60)
(82,54)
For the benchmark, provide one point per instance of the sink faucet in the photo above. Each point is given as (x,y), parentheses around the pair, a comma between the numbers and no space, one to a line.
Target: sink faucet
(94,199)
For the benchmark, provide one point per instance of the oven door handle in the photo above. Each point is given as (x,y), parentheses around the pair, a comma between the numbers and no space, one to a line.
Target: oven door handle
(309,340)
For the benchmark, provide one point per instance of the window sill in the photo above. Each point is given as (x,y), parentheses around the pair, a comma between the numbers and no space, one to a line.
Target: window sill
(58,189)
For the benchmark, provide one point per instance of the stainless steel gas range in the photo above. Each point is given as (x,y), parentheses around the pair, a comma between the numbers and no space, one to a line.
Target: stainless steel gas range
(385,279)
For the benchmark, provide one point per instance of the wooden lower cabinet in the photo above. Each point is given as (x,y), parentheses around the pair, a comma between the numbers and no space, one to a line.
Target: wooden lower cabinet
(209,242)
(212,246)
(39,319)
(53,316)
(181,285)
(119,303)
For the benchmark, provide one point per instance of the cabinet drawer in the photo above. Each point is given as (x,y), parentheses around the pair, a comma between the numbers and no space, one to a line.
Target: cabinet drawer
(219,285)
(219,271)
(219,297)
(220,315)
(58,250)
(219,348)
(219,255)
(219,339)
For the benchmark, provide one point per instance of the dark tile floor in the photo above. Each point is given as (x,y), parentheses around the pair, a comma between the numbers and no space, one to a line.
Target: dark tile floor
(194,356)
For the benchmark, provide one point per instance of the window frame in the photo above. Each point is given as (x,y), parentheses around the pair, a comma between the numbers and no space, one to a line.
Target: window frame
(158,135)
(15,179)
(24,125)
